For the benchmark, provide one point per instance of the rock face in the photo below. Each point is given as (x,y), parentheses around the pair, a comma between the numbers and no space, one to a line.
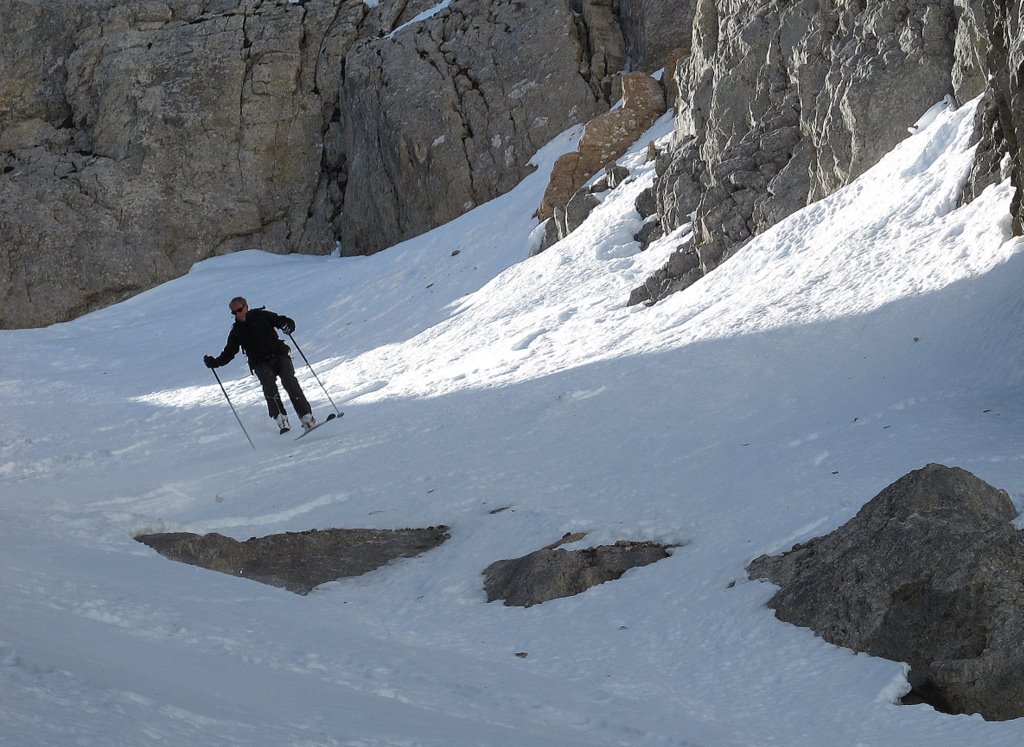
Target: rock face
(785,102)
(998,26)
(652,29)
(928,572)
(139,137)
(444,115)
(297,561)
(992,161)
(552,573)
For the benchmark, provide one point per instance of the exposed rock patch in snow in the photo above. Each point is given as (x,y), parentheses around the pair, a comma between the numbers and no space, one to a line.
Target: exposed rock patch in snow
(297,561)
(552,572)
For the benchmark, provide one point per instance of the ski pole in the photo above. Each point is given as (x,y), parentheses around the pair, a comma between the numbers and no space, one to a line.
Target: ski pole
(338,412)
(233,409)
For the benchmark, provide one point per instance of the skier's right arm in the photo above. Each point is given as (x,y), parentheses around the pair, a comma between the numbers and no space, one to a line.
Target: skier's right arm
(227,355)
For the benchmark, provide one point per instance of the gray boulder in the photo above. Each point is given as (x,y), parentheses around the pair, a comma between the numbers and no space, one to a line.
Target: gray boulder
(552,572)
(929,572)
(683,268)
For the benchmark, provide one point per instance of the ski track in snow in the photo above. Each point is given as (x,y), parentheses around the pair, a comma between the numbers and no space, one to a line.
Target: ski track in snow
(513,400)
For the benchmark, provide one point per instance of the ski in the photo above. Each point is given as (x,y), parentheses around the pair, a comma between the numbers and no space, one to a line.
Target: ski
(328,419)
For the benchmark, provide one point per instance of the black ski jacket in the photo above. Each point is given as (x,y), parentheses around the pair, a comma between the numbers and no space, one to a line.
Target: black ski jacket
(256,337)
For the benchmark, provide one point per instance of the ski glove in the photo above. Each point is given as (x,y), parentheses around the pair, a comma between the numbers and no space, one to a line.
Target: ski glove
(209,361)
(288,326)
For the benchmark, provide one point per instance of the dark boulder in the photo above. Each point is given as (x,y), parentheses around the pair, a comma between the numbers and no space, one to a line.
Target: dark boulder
(929,572)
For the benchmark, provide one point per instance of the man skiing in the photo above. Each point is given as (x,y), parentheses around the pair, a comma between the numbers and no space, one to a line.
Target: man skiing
(254,333)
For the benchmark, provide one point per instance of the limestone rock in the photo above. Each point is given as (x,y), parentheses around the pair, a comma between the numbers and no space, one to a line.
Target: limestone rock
(139,137)
(605,139)
(970,50)
(552,572)
(683,268)
(297,561)
(445,115)
(992,155)
(159,134)
(577,210)
(649,233)
(785,102)
(928,572)
(671,79)
(1005,58)
(653,29)
(605,43)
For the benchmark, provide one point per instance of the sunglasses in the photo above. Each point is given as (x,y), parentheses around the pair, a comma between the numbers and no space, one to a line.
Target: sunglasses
(236,312)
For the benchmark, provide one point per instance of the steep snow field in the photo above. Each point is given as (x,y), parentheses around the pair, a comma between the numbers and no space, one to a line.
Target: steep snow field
(870,334)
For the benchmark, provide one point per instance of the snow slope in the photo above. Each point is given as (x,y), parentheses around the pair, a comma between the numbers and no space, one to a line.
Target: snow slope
(868,335)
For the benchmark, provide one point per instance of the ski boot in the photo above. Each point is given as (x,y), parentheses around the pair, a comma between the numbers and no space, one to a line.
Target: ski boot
(282,423)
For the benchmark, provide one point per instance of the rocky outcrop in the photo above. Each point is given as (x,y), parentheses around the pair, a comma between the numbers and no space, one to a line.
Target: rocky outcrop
(146,136)
(636,35)
(929,572)
(1005,64)
(552,572)
(992,161)
(654,29)
(605,138)
(137,138)
(297,561)
(784,103)
(444,115)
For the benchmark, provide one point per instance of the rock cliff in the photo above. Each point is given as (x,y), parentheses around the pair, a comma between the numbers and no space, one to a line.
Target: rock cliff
(997,28)
(444,115)
(137,138)
(785,102)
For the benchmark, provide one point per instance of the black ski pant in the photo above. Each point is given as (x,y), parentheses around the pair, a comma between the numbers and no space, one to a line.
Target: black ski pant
(268,371)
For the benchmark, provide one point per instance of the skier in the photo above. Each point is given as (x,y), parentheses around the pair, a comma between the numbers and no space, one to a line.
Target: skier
(253,333)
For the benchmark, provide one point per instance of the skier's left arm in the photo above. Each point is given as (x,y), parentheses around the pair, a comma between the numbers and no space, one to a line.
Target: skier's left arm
(283,323)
